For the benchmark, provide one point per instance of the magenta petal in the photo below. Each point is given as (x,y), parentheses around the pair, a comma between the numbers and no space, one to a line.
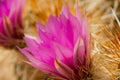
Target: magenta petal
(64,54)
(54,33)
(51,26)
(79,52)
(40,27)
(2,36)
(77,28)
(38,64)
(85,31)
(30,41)
(40,51)
(65,12)
(67,28)
(64,70)
(78,15)
(43,34)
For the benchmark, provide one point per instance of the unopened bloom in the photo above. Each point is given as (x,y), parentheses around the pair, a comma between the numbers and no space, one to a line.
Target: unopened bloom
(11,29)
(62,48)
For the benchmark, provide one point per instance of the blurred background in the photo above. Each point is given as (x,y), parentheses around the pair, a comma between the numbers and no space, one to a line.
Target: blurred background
(99,14)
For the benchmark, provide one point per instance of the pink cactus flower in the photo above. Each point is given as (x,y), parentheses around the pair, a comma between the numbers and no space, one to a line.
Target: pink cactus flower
(62,48)
(11,29)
